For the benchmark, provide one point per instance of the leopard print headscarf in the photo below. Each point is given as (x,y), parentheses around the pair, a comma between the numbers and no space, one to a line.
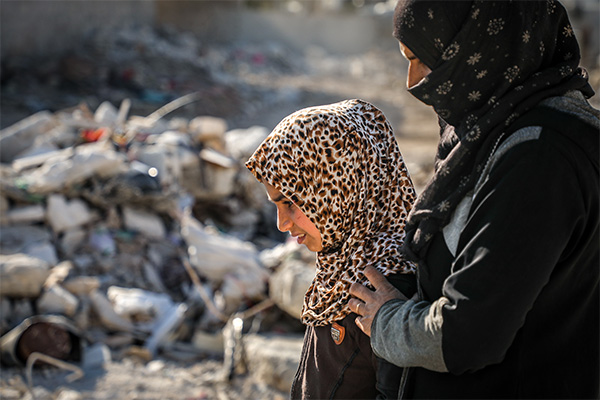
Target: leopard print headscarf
(341,165)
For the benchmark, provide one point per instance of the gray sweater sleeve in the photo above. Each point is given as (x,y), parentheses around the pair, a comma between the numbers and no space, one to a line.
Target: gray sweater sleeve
(409,333)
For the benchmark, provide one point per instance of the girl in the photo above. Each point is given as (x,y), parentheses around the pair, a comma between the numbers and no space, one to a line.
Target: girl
(341,188)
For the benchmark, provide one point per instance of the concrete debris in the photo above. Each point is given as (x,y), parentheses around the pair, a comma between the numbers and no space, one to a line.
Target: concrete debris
(288,285)
(20,136)
(22,276)
(57,300)
(98,221)
(273,359)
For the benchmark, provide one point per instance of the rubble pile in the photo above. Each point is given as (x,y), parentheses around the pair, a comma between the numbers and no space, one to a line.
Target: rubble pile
(112,243)
(129,228)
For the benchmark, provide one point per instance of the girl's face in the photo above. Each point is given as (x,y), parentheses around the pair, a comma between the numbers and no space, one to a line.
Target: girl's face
(291,219)
(416,69)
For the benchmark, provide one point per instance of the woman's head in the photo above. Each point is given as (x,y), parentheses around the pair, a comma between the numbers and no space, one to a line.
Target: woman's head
(427,27)
(490,63)
(480,51)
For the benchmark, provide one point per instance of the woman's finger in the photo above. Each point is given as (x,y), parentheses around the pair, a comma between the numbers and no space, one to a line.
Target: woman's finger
(361,291)
(377,279)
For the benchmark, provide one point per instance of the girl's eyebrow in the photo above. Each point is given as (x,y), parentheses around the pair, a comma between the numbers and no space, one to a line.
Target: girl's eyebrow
(277,199)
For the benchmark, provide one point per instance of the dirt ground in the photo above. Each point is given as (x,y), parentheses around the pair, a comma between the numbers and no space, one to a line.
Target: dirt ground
(130,380)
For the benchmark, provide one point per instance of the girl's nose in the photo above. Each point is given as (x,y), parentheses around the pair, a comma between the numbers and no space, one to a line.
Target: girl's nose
(284,222)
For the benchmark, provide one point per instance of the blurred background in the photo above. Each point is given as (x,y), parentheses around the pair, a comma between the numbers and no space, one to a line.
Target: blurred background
(252,62)
(125,209)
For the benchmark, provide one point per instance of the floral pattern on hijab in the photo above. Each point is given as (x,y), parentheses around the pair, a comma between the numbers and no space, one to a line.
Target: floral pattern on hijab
(341,165)
(491,62)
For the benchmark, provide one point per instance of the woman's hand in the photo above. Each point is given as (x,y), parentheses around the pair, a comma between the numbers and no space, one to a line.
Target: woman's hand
(370,301)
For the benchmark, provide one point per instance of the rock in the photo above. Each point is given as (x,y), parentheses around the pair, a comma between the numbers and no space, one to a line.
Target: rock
(239,286)
(16,239)
(18,137)
(211,343)
(272,359)
(56,300)
(22,275)
(210,176)
(81,285)
(72,240)
(7,393)
(96,356)
(226,261)
(288,285)
(40,147)
(21,309)
(147,224)
(68,394)
(102,241)
(219,174)
(164,326)
(26,215)
(241,143)
(275,256)
(59,273)
(93,159)
(108,317)
(44,251)
(24,162)
(106,114)
(139,305)
(215,255)
(38,393)
(64,215)
(210,131)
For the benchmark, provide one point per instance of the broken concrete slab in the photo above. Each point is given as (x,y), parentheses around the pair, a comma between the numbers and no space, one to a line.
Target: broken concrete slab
(57,300)
(273,359)
(26,215)
(20,136)
(288,285)
(64,215)
(22,275)
(93,159)
(16,239)
(148,224)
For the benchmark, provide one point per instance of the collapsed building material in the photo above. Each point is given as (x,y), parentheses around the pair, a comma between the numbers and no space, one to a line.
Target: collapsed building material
(98,229)
(22,276)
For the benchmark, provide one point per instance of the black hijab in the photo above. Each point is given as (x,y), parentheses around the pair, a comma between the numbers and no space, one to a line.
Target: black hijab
(491,62)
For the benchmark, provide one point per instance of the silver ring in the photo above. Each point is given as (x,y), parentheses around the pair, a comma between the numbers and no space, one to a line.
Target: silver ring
(358,308)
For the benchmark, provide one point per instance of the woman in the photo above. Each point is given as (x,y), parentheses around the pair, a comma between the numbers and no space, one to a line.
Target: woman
(341,188)
(506,232)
